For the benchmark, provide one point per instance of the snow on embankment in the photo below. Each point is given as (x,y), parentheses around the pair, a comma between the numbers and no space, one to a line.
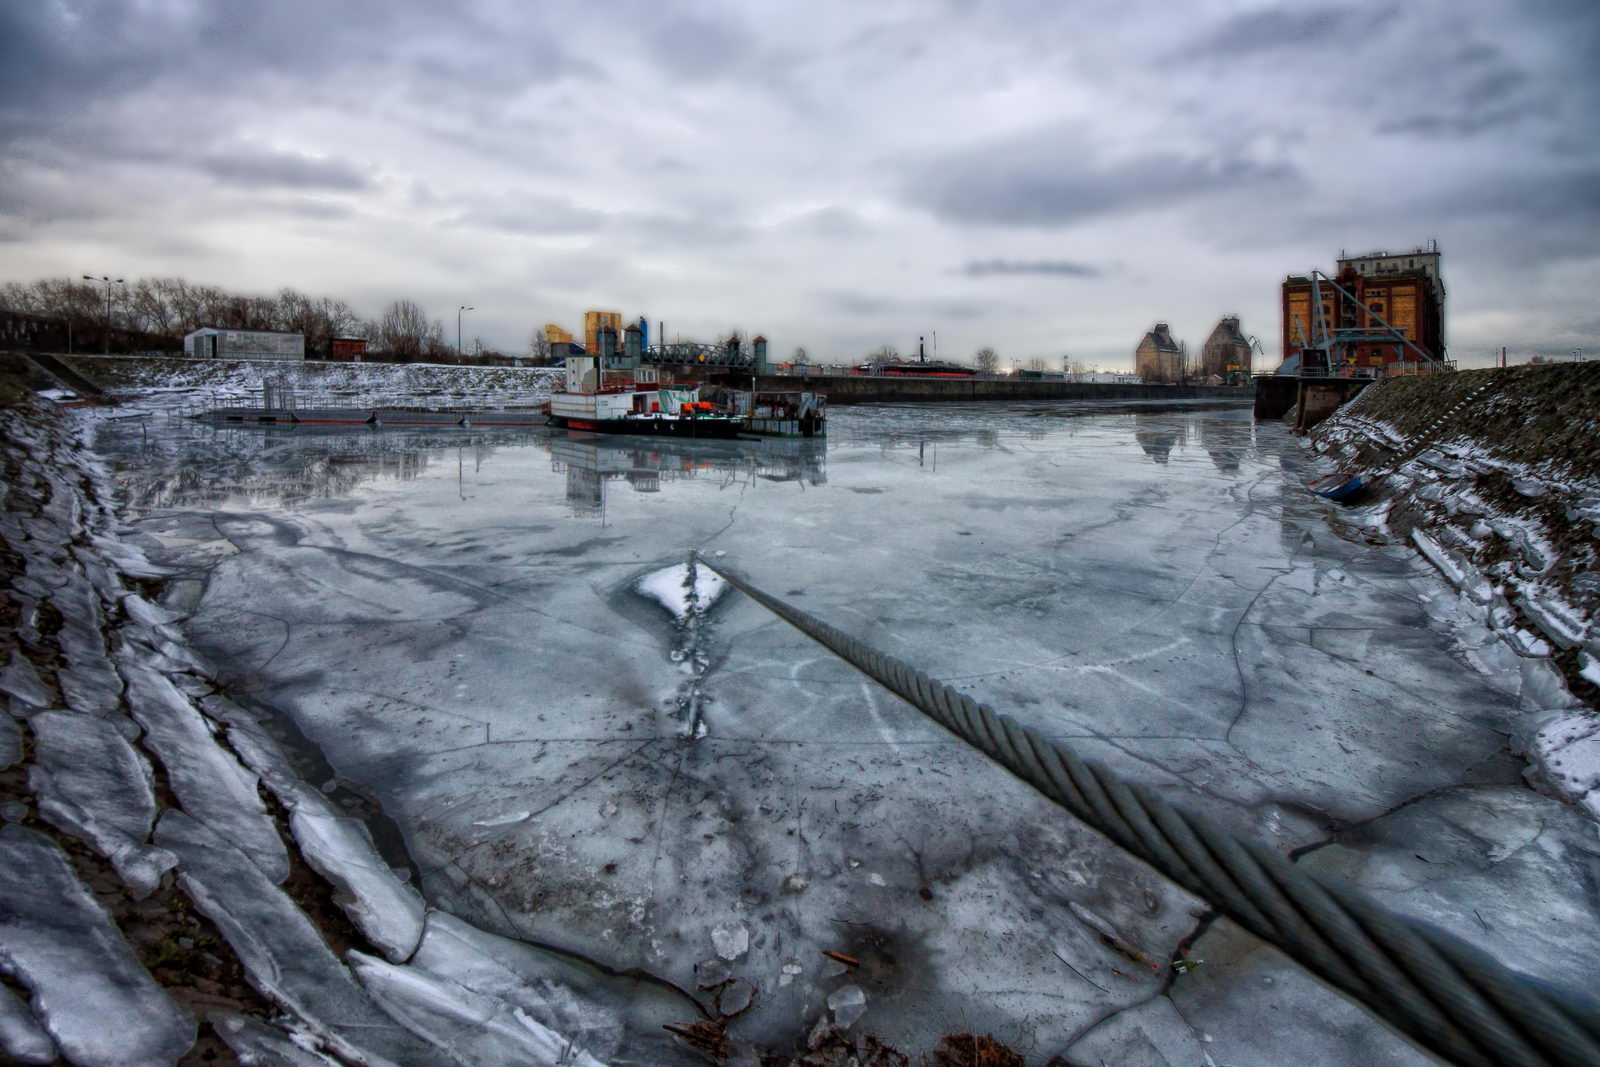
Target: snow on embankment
(175,381)
(157,846)
(1494,476)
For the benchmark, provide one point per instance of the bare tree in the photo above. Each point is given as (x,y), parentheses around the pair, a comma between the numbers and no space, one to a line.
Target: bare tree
(988,360)
(798,356)
(884,352)
(404,332)
(539,347)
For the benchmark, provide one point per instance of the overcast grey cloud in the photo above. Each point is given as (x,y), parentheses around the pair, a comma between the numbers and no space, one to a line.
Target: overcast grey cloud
(833,175)
(983,268)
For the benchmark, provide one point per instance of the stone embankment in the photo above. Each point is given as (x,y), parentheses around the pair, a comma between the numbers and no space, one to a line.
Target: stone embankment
(1494,476)
(173,888)
(205,382)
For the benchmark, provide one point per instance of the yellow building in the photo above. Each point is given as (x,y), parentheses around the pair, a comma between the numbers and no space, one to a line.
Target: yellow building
(594,322)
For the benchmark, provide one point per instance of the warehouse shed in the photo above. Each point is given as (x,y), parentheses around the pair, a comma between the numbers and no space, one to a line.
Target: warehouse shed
(209,342)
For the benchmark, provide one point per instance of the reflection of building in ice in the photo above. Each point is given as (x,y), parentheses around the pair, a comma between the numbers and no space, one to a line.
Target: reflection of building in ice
(265,465)
(1159,440)
(645,463)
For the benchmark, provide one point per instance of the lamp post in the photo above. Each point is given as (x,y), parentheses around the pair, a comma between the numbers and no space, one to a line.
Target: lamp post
(109,283)
(459,310)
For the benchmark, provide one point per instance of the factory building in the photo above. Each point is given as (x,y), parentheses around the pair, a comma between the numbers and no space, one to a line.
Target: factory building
(1226,353)
(209,342)
(1159,358)
(1404,290)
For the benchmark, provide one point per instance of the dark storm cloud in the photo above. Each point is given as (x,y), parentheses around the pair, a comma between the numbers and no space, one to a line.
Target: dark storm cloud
(254,168)
(1066,268)
(1279,28)
(1050,177)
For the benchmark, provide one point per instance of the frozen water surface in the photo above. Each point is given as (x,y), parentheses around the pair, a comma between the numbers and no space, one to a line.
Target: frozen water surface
(455,620)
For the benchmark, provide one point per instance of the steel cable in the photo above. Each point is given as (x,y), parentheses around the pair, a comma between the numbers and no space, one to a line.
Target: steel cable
(1447,996)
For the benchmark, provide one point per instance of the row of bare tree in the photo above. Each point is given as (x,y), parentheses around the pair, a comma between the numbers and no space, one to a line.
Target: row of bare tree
(172,307)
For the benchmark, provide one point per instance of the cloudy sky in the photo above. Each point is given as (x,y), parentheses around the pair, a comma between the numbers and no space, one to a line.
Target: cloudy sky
(1045,176)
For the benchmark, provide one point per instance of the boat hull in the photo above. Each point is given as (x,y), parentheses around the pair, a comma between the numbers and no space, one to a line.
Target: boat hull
(695,427)
(1337,486)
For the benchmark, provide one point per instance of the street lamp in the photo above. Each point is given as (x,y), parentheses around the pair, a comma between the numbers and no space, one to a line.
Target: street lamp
(109,283)
(459,310)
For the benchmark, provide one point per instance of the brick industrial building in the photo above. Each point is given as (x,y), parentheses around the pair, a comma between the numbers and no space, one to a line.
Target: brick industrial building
(1226,353)
(1403,289)
(1159,358)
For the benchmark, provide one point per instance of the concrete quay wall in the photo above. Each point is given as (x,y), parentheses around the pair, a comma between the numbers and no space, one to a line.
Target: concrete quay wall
(871,390)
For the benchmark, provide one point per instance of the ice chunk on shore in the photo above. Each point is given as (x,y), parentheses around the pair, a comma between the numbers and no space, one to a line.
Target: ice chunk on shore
(388,911)
(283,952)
(671,588)
(59,943)
(259,1045)
(21,681)
(92,784)
(22,1039)
(210,783)
(473,1028)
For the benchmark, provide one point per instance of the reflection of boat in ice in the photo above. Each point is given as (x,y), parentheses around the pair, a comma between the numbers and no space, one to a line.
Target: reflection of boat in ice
(634,400)
(647,466)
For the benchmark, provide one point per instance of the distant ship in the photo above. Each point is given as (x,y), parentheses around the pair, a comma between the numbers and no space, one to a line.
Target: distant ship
(930,368)
(634,401)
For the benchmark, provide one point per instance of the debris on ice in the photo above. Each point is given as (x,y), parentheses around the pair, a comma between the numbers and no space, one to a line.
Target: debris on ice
(731,940)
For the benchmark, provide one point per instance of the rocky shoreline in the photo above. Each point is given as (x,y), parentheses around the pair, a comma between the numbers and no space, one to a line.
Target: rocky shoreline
(1494,477)
(177,892)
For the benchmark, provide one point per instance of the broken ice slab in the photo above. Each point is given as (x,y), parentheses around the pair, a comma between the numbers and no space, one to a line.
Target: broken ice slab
(848,1003)
(22,1039)
(470,1027)
(19,679)
(91,783)
(211,784)
(613,1017)
(159,619)
(59,943)
(735,997)
(259,1045)
(283,953)
(711,973)
(388,911)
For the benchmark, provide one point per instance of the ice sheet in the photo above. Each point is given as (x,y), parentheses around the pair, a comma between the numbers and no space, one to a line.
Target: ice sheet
(465,642)
(59,943)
